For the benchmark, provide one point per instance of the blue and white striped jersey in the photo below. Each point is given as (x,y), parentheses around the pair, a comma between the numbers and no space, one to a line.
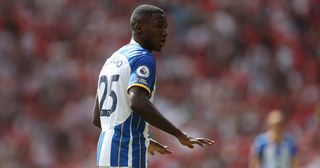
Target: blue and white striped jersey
(123,141)
(274,155)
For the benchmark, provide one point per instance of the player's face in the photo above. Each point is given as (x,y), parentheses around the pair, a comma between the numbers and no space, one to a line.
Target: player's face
(278,126)
(155,32)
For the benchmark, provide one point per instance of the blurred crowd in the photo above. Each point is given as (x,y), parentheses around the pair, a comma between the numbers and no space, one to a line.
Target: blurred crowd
(226,64)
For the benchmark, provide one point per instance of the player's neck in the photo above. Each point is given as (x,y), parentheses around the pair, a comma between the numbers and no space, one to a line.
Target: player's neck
(135,40)
(275,135)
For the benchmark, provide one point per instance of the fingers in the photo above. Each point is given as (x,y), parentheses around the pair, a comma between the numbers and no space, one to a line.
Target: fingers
(190,141)
(162,150)
(198,142)
(165,150)
(201,141)
(189,145)
(205,141)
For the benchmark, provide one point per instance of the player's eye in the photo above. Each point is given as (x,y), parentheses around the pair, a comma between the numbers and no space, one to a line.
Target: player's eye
(160,26)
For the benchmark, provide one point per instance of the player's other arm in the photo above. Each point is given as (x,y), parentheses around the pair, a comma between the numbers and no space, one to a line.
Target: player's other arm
(96,113)
(254,162)
(143,107)
(155,146)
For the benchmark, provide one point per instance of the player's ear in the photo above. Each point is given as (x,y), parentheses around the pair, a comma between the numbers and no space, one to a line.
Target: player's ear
(138,28)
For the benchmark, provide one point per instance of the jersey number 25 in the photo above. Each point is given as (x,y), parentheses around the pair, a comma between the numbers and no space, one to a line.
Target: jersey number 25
(112,97)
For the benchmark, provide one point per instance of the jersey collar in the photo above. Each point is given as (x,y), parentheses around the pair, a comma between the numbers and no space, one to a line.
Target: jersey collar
(132,41)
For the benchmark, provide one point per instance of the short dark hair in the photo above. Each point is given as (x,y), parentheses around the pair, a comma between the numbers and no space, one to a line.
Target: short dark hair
(141,12)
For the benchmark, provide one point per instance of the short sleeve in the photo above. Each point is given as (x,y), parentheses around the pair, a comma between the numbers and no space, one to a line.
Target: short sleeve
(143,72)
(258,146)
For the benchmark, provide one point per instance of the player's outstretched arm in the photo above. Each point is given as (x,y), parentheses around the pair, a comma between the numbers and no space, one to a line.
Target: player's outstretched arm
(254,162)
(96,113)
(141,105)
(155,146)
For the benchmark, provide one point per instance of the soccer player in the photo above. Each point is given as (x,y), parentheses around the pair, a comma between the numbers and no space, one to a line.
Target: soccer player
(123,106)
(274,148)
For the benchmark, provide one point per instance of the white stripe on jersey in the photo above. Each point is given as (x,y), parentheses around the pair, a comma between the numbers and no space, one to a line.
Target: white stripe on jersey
(106,144)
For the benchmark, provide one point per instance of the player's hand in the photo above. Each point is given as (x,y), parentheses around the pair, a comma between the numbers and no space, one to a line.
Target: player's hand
(155,146)
(190,141)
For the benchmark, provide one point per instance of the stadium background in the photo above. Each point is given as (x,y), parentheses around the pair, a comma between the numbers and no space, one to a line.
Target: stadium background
(225,65)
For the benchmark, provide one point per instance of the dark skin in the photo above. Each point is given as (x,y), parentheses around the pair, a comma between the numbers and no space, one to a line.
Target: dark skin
(151,33)
(96,113)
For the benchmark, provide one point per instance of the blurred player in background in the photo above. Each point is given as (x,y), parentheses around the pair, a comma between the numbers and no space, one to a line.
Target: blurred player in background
(123,106)
(274,148)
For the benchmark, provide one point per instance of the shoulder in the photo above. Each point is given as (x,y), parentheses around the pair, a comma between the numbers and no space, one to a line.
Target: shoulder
(136,54)
(133,51)
(261,140)
(259,144)
(261,137)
